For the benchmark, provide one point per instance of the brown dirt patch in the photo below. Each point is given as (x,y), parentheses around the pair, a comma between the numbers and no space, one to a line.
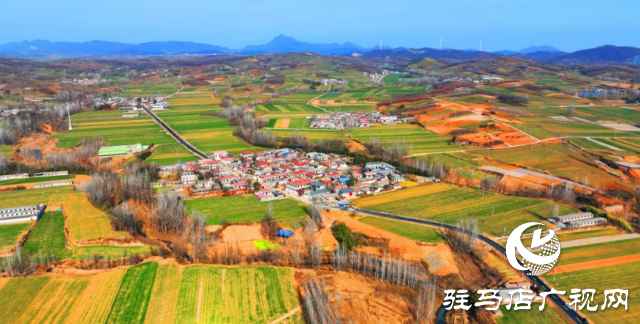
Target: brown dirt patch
(407,248)
(598,263)
(241,236)
(363,300)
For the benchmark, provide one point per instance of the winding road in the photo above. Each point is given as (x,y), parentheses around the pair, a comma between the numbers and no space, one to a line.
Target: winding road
(569,313)
(559,302)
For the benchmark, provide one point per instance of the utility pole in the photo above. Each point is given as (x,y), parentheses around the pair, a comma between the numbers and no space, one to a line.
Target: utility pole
(69,114)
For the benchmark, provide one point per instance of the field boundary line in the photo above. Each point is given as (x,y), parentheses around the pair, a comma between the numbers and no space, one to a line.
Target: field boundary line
(199,302)
(287,315)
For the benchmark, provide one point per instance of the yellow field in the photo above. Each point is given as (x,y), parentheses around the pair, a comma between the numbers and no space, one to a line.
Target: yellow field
(162,304)
(84,221)
(400,194)
(55,301)
(95,304)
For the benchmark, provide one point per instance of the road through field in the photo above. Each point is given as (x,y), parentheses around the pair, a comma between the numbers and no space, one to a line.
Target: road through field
(596,240)
(569,313)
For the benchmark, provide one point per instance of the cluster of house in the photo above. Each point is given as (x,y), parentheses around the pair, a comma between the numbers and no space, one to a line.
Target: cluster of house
(83,81)
(491,78)
(377,77)
(153,103)
(272,173)
(333,81)
(351,120)
(21,214)
(578,220)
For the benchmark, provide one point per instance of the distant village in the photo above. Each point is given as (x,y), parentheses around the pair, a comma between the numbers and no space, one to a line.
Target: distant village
(134,104)
(353,120)
(274,174)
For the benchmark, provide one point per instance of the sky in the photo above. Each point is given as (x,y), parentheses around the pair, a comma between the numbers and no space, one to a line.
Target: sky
(568,25)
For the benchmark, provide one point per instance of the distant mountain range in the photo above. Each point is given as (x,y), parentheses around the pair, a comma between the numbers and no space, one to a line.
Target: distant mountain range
(42,49)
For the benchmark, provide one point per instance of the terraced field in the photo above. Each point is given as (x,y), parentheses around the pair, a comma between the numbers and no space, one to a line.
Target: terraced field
(415,137)
(153,293)
(448,204)
(245,208)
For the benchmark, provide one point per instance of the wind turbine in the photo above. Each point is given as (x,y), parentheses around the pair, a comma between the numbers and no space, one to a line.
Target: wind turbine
(68,114)
(481,45)
(440,43)
(381,45)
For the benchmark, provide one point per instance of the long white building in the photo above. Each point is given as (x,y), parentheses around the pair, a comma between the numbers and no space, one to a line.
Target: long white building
(21,214)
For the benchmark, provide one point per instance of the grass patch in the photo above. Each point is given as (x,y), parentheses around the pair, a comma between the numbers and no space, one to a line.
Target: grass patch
(48,237)
(9,233)
(36,179)
(411,231)
(265,245)
(246,208)
(130,305)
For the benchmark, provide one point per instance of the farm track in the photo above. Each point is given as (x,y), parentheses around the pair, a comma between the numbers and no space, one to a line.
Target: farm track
(597,240)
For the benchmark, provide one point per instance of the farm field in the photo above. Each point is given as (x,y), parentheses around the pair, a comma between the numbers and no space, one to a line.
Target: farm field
(207,133)
(84,221)
(298,123)
(36,179)
(295,98)
(245,294)
(16,198)
(6,150)
(448,204)
(245,208)
(599,251)
(415,137)
(578,235)
(130,304)
(550,315)
(557,159)
(109,251)
(622,276)
(313,135)
(269,108)
(48,238)
(166,154)
(154,293)
(410,231)
(10,233)
(116,132)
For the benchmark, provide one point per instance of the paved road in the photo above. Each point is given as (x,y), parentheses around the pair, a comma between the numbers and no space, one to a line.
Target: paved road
(600,239)
(570,313)
(176,136)
(559,302)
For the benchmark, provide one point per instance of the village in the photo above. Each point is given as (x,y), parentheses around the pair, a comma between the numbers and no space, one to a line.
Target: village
(344,120)
(133,104)
(275,174)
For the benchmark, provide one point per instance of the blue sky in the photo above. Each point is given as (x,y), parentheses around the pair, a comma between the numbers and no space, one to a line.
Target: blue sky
(566,24)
